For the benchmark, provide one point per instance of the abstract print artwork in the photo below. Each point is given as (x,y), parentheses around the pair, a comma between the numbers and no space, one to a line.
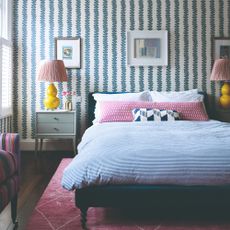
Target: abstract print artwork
(147,48)
(69,50)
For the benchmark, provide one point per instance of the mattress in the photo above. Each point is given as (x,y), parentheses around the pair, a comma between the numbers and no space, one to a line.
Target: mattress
(152,153)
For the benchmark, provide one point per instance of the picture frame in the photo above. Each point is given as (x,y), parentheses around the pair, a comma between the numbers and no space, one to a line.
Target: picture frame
(221,47)
(147,48)
(69,50)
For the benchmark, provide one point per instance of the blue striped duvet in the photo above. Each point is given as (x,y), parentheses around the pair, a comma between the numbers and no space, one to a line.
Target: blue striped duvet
(179,153)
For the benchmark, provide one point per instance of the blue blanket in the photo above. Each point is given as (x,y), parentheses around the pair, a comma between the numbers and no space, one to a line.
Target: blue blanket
(178,153)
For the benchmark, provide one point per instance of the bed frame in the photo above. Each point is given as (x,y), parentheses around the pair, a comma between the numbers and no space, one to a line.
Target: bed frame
(163,196)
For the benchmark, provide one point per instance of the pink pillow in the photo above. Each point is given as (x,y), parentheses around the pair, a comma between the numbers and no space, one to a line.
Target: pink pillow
(118,111)
(115,111)
(193,111)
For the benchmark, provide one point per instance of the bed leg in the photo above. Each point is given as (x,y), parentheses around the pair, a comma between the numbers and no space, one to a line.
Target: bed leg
(84,218)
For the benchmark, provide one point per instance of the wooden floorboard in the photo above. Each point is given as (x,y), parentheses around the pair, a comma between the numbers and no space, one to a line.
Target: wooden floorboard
(33,184)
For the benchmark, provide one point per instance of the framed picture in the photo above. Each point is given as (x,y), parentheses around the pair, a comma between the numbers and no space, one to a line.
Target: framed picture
(69,50)
(221,48)
(147,48)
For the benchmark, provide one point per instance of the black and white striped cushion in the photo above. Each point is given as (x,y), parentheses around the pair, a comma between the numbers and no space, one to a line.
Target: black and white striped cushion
(143,114)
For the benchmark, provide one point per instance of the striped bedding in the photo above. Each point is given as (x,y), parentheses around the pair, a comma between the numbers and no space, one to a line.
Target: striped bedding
(177,153)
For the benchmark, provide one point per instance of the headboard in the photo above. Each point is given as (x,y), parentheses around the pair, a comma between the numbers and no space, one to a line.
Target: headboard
(91,108)
(92,103)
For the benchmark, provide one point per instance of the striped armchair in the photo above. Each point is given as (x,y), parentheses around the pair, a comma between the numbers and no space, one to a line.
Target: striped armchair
(9,172)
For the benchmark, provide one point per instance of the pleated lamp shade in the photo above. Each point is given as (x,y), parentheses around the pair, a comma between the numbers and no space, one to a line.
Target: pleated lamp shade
(221,70)
(52,71)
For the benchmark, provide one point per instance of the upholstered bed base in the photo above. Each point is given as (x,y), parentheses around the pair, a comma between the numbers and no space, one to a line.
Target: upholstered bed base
(164,196)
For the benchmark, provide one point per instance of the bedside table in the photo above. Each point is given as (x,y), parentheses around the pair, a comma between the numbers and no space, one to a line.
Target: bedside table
(57,124)
(223,115)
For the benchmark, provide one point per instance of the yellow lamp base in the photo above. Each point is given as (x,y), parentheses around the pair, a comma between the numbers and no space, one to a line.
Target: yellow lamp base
(225,98)
(51,101)
(225,89)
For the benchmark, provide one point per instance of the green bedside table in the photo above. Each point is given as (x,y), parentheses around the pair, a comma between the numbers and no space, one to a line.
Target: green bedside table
(57,124)
(223,114)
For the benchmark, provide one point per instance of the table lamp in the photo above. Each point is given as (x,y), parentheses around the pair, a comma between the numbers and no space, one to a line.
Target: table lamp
(52,71)
(221,72)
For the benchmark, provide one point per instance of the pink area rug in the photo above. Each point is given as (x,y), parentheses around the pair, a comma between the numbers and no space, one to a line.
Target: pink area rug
(56,211)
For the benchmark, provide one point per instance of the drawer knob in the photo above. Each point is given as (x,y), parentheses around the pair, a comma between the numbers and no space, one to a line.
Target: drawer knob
(55,118)
(56,129)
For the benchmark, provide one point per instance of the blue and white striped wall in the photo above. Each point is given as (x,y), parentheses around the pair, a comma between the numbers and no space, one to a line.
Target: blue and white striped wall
(6,124)
(102,25)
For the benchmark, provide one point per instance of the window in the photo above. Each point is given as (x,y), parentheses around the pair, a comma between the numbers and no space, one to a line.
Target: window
(6,50)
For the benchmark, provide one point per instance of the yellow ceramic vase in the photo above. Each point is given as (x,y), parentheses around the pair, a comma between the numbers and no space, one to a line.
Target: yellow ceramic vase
(51,101)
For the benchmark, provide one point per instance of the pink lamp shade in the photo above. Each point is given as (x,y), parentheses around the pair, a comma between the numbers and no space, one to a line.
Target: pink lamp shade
(221,70)
(52,71)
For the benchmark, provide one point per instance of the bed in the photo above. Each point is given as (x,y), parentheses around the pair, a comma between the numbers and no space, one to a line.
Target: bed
(194,181)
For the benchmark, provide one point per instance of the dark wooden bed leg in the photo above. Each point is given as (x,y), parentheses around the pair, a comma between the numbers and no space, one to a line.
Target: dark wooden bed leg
(84,218)
(14,211)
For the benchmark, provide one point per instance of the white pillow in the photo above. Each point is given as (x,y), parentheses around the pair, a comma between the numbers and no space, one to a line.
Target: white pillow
(182,96)
(142,96)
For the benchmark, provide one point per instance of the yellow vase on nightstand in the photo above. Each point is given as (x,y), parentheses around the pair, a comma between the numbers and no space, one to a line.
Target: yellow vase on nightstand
(51,101)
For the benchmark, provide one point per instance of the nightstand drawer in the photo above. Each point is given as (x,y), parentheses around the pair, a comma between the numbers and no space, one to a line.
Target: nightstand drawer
(55,118)
(55,128)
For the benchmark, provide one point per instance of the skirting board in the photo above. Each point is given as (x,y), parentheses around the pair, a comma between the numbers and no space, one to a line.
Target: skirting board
(48,145)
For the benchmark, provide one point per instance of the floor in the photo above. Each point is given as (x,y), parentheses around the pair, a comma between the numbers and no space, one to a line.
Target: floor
(33,183)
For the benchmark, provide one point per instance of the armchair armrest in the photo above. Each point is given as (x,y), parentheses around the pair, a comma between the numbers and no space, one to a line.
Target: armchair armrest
(10,143)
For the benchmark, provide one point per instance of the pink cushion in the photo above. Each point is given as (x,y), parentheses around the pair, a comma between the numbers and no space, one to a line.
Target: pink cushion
(114,111)
(118,111)
(193,111)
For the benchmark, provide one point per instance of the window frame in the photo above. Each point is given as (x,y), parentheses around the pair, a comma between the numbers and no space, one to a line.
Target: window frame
(7,42)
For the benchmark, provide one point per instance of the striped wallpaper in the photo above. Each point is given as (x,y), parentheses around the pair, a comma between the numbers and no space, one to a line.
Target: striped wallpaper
(6,124)
(102,25)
